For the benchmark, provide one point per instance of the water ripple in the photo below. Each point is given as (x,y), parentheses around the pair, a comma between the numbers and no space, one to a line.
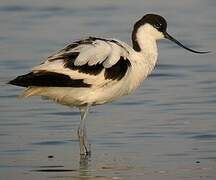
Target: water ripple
(15,8)
(204,136)
(167,75)
(51,142)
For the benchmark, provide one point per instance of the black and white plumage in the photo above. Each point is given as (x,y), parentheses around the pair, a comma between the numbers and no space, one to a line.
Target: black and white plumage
(95,71)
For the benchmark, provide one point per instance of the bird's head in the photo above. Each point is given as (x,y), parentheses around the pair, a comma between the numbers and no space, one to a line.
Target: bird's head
(155,26)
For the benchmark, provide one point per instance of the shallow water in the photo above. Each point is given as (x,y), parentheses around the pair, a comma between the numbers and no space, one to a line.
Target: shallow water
(165,130)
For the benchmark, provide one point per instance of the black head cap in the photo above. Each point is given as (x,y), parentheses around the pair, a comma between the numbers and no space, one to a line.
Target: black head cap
(155,20)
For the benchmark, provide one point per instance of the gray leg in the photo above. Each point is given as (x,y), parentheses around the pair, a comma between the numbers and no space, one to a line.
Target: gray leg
(82,133)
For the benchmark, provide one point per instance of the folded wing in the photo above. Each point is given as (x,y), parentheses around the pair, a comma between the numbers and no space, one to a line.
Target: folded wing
(92,61)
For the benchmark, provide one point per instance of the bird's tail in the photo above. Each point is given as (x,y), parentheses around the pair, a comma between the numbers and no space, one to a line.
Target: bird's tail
(23,81)
(28,81)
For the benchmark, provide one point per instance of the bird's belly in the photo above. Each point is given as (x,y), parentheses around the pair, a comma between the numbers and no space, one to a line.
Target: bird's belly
(81,96)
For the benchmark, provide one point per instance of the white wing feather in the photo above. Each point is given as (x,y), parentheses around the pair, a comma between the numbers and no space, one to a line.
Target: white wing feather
(95,54)
(113,57)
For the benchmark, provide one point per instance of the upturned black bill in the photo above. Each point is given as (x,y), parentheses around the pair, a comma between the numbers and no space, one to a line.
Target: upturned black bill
(167,36)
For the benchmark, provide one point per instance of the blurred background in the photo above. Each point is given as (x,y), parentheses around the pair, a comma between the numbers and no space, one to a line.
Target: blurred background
(165,130)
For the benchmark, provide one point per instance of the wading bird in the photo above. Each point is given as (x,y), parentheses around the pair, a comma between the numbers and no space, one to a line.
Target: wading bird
(95,70)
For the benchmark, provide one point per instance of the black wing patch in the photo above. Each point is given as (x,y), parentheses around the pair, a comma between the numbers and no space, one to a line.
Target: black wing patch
(108,40)
(47,79)
(80,42)
(116,72)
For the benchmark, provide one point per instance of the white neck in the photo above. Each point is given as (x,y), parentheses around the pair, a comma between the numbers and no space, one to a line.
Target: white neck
(147,45)
(146,40)
(146,56)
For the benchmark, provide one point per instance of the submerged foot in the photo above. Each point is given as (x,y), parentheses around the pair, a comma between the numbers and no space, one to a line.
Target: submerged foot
(85,148)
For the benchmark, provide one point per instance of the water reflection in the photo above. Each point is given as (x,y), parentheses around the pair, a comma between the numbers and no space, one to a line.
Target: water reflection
(84,166)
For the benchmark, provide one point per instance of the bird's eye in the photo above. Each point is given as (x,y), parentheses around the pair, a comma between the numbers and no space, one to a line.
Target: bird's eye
(158,25)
